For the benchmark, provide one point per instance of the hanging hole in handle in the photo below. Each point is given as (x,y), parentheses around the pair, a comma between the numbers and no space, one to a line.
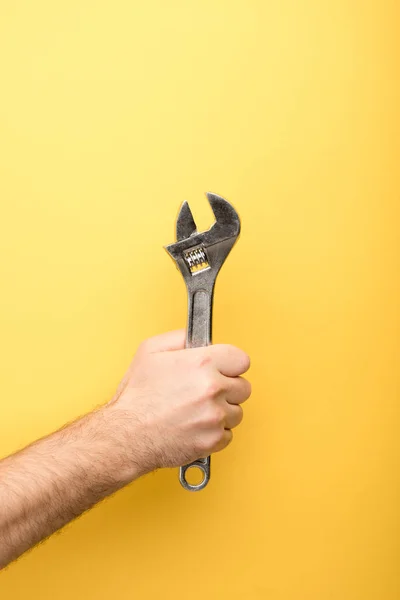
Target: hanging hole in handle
(194,477)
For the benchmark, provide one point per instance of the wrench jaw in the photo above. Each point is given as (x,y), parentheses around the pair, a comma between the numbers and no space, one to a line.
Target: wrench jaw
(226,217)
(227,220)
(185,225)
(215,243)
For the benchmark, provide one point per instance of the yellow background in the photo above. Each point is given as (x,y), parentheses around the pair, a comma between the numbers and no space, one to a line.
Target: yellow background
(112,113)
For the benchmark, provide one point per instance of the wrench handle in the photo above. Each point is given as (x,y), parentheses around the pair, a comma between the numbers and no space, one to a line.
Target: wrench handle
(199,334)
(199,327)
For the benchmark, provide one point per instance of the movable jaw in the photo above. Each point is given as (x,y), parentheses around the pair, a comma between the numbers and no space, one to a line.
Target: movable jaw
(195,253)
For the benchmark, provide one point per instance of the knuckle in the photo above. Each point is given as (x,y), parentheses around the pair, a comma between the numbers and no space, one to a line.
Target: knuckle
(212,388)
(213,416)
(203,359)
(217,417)
(216,439)
(205,444)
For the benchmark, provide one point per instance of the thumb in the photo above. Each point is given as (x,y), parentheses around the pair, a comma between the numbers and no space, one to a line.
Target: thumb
(171,340)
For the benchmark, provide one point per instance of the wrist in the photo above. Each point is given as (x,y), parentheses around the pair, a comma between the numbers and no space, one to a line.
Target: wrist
(122,436)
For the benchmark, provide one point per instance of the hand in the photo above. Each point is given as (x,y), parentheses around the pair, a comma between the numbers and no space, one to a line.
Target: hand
(177,405)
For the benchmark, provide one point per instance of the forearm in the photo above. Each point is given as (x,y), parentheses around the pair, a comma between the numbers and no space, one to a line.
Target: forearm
(54,480)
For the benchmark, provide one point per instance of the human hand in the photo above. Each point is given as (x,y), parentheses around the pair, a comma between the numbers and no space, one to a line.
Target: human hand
(176,405)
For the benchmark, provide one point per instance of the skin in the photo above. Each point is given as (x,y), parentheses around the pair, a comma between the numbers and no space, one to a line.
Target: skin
(173,406)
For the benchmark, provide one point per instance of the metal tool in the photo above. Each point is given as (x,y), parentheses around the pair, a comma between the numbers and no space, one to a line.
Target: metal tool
(199,257)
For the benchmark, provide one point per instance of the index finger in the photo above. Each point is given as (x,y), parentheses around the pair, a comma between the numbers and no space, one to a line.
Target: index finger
(229,360)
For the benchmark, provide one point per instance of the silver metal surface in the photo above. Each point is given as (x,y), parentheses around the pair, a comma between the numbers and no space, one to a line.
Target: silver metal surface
(199,257)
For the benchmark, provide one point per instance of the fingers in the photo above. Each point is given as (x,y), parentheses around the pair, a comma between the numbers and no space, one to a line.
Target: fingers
(238,390)
(229,360)
(233,415)
(224,441)
(172,340)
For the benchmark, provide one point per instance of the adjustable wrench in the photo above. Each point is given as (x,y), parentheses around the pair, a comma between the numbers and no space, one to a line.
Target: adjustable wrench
(199,257)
